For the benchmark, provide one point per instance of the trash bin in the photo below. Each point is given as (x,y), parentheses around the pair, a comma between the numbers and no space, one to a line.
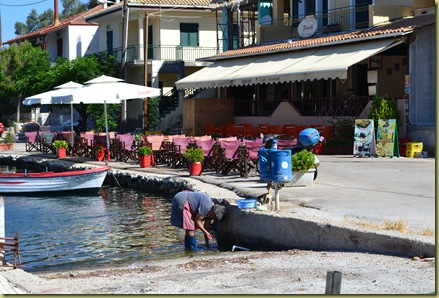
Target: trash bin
(264,164)
(281,170)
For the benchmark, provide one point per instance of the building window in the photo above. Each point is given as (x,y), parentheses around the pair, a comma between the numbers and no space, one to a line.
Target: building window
(189,35)
(59,47)
(110,42)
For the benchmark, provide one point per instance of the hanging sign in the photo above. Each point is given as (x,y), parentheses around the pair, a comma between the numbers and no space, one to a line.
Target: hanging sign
(307,27)
(364,138)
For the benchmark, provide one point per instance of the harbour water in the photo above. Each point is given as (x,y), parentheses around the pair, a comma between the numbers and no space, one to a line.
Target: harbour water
(115,227)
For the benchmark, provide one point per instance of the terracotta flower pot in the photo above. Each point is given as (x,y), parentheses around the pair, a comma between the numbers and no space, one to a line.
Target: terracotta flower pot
(61,152)
(195,169)
(145,161)
(100,155)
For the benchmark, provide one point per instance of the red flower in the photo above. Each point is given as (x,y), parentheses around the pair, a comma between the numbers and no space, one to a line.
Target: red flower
(101,153)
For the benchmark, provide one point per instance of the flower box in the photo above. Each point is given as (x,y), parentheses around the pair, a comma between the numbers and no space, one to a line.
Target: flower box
(301,179)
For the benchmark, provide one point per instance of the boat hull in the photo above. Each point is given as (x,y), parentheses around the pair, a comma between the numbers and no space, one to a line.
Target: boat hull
(89,179)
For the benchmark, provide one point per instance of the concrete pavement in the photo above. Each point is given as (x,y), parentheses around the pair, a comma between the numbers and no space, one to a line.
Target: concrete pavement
(342,210)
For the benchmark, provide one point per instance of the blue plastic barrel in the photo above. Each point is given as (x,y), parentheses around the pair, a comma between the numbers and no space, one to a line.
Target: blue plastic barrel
(264,164)
(281,170)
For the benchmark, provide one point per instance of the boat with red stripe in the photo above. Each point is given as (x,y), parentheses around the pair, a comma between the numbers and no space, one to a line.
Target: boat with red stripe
(75,180)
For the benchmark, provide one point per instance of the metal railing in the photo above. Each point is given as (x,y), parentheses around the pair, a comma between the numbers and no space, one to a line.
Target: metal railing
(322,106)
(333,20)
(166,53)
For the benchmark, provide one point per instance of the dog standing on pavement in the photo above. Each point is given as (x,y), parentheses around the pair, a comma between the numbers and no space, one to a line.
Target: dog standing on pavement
(266,200)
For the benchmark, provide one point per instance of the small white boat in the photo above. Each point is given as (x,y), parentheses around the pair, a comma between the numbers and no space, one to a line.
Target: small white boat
(77,180)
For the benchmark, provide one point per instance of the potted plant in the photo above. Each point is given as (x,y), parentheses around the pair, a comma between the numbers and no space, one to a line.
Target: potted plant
(144,153)
(100,152)
(9,141)
(304,165)
(194,156)
(61,148)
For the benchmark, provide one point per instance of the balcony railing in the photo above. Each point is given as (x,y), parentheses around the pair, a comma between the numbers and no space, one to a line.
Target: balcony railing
(166,53)
(346,18)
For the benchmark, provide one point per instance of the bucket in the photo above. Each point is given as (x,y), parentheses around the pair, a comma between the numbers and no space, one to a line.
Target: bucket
(247,203)
(264,165)
(281,170)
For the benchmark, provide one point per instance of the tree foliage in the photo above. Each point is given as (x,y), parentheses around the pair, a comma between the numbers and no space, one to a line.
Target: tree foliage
(71,8)
(37,21)
(153,113)
(384,108)
(24,70)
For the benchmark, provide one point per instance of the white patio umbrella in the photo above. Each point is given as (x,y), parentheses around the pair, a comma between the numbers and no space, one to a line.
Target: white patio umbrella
(105,89)
(46,98)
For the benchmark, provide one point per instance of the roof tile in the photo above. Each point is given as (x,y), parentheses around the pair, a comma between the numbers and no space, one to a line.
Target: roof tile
(403,26)
(77,19)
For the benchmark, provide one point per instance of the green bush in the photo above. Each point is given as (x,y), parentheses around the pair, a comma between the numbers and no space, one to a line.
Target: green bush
(144,150)
(344,131)
(303,161)
(9,138)
(60,144)
(384,108)
(194,154)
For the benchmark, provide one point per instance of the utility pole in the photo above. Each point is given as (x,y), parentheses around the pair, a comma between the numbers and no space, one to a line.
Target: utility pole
(145,66)
(1,39)
(125,20)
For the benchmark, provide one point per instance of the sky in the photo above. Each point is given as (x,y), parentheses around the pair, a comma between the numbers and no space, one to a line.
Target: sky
(17,11)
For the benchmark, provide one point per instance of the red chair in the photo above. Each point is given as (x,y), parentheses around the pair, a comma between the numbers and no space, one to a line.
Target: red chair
(228,130)
(276,129)
(291,130)
(210,129)
(264,129)
(247,130)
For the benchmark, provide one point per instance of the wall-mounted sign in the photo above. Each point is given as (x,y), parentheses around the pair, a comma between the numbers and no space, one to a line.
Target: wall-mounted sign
(372,76)
(376,62)
(407,81)
(307,27)
(265,12)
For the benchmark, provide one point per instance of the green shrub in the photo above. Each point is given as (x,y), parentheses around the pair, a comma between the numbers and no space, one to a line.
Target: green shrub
(194,154)
(303,161)
(384,108)
(9,138)
(60,144)
(144,150)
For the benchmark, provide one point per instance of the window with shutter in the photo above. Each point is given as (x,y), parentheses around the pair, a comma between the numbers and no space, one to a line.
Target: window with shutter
(189,34)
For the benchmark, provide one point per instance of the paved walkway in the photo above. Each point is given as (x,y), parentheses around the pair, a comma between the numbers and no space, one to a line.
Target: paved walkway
(373,190)
(7,288)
